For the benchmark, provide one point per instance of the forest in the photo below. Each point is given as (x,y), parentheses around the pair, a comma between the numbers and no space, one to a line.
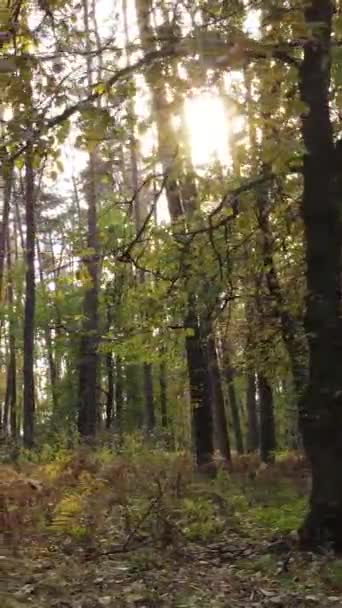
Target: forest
(170,303)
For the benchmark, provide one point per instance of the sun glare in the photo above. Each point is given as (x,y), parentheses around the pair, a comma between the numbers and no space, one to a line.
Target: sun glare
(208,129)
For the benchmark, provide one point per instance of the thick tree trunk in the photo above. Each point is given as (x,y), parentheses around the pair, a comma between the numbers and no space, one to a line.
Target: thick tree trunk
(267,425)
(217,398)
(30,301)
(252,415)
(321,407)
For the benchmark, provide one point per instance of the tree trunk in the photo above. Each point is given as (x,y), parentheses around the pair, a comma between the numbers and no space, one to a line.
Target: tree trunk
(163,394)
(48,341)
(88,363)
(199,393)
(149,417)
(7,177)
(167,149)
(267,425)
(118,395)
(233,403)
(109,366)
(291,328)
(30,301)
(252,415)
(217,399)
(139,217)
(110,391)
(321,406)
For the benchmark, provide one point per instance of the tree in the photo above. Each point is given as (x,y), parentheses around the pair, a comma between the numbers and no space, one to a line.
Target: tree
(197,366)
(88,358)
(30,301)
(320,408)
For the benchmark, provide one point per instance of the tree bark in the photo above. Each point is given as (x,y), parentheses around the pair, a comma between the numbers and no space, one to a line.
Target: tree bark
(267,425)
(291,328)
(217,399)
(48,341)
(199,392)
(321,406)
(88,357)
(163,394)
(149,417)
(10,406)
(252,415)
(12,367)
(119,396)
(233,404)
(6,186)
(139,213)
(110,390)
(7,177)
(30,302)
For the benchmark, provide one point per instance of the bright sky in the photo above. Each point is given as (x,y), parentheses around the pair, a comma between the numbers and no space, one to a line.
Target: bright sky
(209,129)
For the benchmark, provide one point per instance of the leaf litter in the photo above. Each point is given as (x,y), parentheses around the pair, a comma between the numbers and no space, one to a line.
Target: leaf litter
(160,549)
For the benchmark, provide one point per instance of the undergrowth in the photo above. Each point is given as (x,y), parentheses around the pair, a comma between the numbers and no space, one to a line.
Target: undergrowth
(147,518)
(145,496)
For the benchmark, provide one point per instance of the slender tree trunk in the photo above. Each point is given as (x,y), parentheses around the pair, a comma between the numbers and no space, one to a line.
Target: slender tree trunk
(233,403)
(12,367)
(48,342)
(6,186)
(119,395)
(291,328)
(6,409)
(321,406)
(252,415)
(219,412)
(88,361)
(149,417)
(267,425)
(7,177)
(163,394)
(109,365)
(57,356)
(13,390)
(110,390)
(30,301)
(167,147)
(139,213)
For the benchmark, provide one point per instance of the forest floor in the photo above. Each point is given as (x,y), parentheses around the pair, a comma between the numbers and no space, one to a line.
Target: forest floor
(91,530)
